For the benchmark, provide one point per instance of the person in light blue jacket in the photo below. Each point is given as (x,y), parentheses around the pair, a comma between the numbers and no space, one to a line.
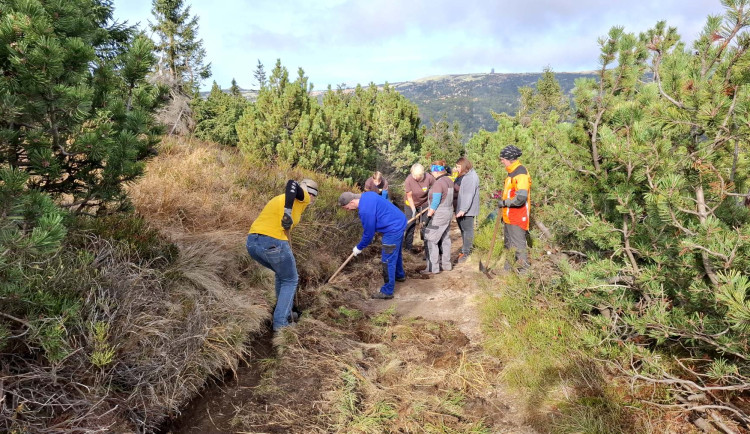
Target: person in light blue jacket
(378,214)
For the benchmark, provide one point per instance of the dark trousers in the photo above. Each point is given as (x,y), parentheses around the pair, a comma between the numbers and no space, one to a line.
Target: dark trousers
(409,235)
(392,261)
(515,239)
(466,224)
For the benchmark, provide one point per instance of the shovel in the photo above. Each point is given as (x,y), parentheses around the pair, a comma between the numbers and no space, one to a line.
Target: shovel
(418,225)
(482,268)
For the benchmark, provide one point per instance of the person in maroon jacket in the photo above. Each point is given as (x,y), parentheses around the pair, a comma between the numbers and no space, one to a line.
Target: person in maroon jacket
(416,187)
(378,184)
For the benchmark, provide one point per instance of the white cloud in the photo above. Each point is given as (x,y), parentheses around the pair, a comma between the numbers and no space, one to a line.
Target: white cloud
(359,41)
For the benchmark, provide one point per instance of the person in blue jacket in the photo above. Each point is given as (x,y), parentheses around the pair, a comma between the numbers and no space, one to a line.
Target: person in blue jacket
(378,214)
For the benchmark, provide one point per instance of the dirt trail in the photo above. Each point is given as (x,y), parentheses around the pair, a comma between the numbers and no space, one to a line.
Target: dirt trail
(304,375)
(448,296)
(453,297)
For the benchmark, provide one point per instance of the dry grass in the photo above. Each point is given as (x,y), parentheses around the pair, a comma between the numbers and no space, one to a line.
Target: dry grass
(154,329)
(563,386)
(200,188)
(150,335)
(341,371)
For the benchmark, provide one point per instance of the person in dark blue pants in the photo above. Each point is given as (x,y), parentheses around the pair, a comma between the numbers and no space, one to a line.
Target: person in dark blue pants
(378,214)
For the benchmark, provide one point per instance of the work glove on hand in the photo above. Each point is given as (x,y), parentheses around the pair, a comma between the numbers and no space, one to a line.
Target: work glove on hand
(356,251)
(504,203)
(286,219)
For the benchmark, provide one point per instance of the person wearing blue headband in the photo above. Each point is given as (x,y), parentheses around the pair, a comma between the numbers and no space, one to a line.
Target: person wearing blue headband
(439,216)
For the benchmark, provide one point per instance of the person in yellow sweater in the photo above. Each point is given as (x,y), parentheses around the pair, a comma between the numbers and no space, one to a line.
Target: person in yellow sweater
(268,242)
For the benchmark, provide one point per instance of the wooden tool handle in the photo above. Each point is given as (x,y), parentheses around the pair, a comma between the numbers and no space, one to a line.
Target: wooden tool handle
(416,216)
(494,235)
(341,267)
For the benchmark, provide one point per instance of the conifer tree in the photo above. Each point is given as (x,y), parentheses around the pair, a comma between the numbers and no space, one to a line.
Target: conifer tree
(396,133)
(234,89)
(216,117)
(77,124)
(443,141)
(352,158)
(181,52)
(260,75)
(546,97)
(265,129)
(655,162)
(181,61)
(77,111)
(349,136)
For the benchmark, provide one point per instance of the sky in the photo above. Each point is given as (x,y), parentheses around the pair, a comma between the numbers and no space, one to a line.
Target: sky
(362,41)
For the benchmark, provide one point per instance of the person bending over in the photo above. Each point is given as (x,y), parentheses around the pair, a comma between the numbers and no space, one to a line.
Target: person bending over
(379,215)
(268,242)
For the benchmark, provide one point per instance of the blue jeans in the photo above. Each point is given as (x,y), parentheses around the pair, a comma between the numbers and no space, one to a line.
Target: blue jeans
(277,255)
(392,261)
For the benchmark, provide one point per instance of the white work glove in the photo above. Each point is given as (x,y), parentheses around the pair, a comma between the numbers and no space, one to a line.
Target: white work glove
(356,251)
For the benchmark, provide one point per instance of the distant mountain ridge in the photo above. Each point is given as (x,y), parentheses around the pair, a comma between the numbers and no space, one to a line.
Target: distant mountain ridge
(466,98)
(470,98)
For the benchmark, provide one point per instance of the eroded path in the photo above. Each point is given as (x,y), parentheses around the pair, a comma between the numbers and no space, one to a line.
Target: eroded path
(452,297)
(352,364)
(449,296)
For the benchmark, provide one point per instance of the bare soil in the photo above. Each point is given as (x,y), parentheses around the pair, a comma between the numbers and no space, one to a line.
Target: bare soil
(349,357)
(449,296)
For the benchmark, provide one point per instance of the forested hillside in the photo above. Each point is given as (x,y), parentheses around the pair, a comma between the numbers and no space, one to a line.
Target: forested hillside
(470,99)
(126,288)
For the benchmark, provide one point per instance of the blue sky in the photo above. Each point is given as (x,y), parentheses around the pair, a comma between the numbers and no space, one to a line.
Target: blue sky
(358,41)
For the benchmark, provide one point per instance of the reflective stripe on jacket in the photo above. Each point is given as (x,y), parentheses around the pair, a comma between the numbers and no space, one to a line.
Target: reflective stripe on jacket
(518,179)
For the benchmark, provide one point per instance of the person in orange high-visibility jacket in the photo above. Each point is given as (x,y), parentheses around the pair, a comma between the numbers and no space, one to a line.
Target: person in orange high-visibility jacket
(515,205)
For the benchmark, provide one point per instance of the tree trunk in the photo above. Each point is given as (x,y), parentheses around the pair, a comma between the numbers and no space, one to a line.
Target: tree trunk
(702,216)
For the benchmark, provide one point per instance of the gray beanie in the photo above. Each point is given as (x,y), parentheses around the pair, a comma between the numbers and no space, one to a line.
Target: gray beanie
(347,197)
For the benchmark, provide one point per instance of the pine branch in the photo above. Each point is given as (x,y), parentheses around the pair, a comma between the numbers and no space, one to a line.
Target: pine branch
(657,79)
(710,252)
(740,23)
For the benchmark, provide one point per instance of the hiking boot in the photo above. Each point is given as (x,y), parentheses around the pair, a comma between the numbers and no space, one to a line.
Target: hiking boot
(380,296)
(427,272)
(401,279)
(462,257)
